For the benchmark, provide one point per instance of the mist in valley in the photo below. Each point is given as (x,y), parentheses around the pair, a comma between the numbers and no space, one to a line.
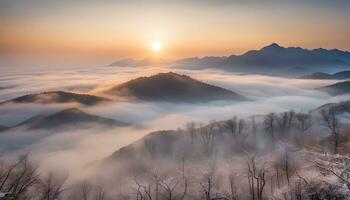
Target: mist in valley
(172,150)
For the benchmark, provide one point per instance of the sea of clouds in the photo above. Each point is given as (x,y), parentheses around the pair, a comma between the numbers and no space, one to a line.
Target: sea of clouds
(75,150)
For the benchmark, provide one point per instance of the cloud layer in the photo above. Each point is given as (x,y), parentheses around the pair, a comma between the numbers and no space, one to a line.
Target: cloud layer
(73,150)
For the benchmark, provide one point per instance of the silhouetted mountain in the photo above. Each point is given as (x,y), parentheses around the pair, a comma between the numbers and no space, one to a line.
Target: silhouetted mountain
(337,88)
(317,75)
(58,97)
(156,144)
(165,144)
(339,107)
(333,54)
(3,128)
(208,61)
(337,76)
(276,60)
(135,63)
(72,116)
(172,87)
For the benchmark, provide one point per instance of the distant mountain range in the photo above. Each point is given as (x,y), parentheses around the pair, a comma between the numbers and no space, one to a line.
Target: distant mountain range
(270,60)
(337,88)
(67,117)
(336,76)
(277,60)
(58,97)
(172,87)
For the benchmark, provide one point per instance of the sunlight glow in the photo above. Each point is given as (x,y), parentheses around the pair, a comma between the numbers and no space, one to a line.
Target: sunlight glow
(156,46)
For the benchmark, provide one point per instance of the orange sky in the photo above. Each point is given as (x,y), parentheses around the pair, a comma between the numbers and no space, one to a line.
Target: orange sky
(98,32)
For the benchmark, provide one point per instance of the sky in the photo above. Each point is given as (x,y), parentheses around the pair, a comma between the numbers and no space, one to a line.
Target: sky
(86,33)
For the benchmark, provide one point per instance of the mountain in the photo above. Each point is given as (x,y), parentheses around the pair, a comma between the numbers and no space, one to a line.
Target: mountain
(129,62)
(337,88)
(207,61)
(3,128)
(276,60)
(39,127)
(172,145)
(172,87)
(58,97)
(72,116)
(333,54)
(269,60)
(339,107)
(155,144)
(337,76)
(317,75)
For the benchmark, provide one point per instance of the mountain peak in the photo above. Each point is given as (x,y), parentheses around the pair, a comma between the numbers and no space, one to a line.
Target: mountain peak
(69,116)
(173,87)
(273,46)
(170,75)
(72,110)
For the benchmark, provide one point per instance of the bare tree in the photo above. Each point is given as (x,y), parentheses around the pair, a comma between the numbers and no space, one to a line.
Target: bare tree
(100,193)
(285,122)
(143,192)
(330,120)
(256,179)
(207,186)
(276,166)
(287,166)
(254,127)
(232,195)
(51,187)
(17,179)
(85,190)
(241,125)
(231,125)
(171,185)
(304,122)
(269,124)
(191,128)
(208,135)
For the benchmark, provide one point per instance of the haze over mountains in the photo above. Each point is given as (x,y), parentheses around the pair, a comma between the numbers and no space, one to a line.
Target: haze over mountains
(72,134)
(336,76)
(58,97)
(2,128)
(172,87)
(270,60)
(337,88)
(277,60)
(67,117)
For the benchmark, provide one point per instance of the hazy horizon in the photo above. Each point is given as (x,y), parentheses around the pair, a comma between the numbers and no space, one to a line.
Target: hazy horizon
(66,33)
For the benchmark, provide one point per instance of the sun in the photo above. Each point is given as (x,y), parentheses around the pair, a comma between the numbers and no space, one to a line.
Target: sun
(156,46)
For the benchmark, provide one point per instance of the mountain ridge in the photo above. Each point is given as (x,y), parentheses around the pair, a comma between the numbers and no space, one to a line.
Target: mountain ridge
(339,88)
(58,97)
(273,59)
(336,76)
(69,116)
(172,87)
